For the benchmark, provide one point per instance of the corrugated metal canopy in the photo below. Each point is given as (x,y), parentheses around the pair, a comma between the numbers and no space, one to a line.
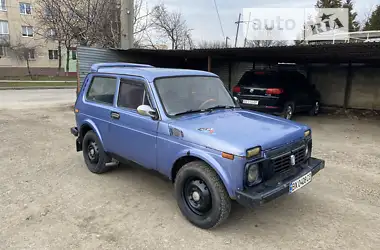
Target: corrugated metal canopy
(326,53)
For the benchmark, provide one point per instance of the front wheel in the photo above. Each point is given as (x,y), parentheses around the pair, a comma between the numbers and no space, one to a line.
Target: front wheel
(315,110)
(288,111)
(201,195)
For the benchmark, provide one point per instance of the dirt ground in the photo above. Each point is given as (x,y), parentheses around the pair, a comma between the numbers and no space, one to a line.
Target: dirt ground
(49,200)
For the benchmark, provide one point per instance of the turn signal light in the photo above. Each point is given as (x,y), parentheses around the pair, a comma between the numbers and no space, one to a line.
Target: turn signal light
(307,133)
(228,156)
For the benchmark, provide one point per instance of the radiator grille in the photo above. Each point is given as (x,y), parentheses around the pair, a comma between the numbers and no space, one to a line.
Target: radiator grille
(282,162)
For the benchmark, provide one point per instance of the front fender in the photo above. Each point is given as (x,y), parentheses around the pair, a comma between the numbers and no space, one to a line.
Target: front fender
(206,157)
(91,124)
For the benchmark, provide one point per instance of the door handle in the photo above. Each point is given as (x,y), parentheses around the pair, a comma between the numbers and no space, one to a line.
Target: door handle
(115,115)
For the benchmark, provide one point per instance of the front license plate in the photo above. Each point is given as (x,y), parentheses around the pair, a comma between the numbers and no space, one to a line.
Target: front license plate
(254,102)
(299,183)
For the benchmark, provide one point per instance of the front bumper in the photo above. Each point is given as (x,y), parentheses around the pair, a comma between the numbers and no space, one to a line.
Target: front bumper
(277,187)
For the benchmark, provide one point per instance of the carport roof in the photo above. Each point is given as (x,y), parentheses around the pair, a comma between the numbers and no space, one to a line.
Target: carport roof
(326,53)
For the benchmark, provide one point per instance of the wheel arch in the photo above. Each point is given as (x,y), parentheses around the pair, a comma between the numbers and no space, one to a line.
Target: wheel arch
(88,125)
(190,155)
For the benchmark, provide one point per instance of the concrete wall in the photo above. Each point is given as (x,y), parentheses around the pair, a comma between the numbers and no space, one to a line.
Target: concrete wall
(331,82)
(8,72)
(221,68)
(365,90)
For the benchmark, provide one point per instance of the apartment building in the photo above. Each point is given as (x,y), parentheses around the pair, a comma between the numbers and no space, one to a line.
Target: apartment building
(18,28)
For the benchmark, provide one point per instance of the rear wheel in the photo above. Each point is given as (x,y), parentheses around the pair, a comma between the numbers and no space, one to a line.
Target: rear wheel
(201,195)
(93,153)
(288,111)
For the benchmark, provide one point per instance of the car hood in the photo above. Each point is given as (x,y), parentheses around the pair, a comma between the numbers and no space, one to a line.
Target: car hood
(235,131)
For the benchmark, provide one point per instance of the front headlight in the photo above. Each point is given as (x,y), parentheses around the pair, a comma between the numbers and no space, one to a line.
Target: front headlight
(308,149)
(253,174)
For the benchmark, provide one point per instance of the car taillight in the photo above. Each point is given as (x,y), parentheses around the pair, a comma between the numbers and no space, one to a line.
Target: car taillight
(274,91)
(236,89)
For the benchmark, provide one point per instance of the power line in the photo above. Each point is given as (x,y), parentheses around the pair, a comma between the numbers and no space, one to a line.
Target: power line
(220,21)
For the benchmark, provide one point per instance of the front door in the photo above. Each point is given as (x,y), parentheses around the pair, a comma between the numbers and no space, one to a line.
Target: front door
(134,136)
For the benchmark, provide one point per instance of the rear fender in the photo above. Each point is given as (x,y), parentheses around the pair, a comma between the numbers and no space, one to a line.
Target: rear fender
(206,157)
(91,124)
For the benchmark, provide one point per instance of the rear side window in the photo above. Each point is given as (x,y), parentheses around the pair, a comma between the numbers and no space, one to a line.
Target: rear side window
(131,94)
(102,90)
(261,80)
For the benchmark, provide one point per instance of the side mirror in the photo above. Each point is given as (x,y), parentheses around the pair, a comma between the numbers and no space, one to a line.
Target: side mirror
(146,110)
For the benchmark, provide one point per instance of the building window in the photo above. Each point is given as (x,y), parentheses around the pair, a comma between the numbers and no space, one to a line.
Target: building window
(27,31)
(31,54)
(51,33)
(74,54)
(53,54)
(4,28)
(3,51)
(3,7)
(47,12)
(25,8)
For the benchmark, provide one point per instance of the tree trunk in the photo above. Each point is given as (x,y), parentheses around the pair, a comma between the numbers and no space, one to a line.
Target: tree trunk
(67,60)
(28,66)
(59,58)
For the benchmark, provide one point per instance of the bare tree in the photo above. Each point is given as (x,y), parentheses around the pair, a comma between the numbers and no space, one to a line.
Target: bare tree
(172,26)
(90,22)
(265,43)
(22,51)
(141,23)
(211,45)
(268,33)
(55,23)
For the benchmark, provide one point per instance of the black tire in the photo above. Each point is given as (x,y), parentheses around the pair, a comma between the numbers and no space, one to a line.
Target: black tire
(315,109)
(288,110)
(220,208)
(93,153)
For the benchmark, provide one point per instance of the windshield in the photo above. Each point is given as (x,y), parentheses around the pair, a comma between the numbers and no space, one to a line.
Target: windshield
(192,94)
(259,80)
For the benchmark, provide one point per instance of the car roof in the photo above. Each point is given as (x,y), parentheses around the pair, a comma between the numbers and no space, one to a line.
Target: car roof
(151,73)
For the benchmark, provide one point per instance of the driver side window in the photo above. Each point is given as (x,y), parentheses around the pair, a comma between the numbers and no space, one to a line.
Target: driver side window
(132,94)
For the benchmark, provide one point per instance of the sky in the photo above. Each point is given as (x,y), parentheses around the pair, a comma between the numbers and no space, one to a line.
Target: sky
(201,15)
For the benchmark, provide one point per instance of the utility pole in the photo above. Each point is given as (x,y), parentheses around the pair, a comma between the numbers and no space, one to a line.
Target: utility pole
(237,30)
(227,41)
(126,24)
(246,33)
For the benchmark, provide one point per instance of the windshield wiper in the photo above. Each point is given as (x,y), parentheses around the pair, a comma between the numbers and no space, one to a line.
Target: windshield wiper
(205,110)
(189,111)
(220,107)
